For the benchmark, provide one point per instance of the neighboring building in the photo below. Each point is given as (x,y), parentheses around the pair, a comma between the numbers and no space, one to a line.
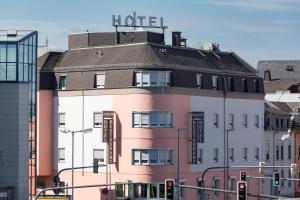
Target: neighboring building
(136,94)
(279,149)
(282,88)
(18,56)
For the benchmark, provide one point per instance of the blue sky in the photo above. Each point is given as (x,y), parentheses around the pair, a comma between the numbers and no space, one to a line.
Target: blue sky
(254,29)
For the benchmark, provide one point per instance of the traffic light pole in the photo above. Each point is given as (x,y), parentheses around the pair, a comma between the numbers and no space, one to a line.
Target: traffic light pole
(202,182)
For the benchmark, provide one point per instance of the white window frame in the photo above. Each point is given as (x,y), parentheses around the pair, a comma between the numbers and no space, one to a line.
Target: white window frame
(217,185)
(147,78)
(231,154)
(101,160)
(245,154)
(256,153)
(152,119)
(60,87)
(199,79)
(200,155)
(216,155)
(216,120)
(231,120)
(215,85)
(256,121)
(163,156)
(60,123)
(99,80)
(245,120)
(97,124)
(61,151)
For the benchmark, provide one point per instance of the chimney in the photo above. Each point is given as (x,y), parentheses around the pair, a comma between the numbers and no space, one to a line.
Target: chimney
(210,46)
(176,39)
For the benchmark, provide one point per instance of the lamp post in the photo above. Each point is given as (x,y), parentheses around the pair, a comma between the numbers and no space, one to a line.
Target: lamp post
(88,130)
(230,129)
(182,129)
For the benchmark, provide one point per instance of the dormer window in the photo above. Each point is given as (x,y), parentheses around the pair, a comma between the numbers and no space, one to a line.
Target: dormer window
(152,78)
(199,81)
(215,82)
(99,80)
(62,82)
(245,85)
(289,68)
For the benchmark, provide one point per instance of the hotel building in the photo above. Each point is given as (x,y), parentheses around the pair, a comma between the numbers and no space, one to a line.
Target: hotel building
(142,98)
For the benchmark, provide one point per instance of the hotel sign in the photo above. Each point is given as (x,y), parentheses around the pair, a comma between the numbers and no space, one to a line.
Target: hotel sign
(108,133)
(197,134)
(138,21)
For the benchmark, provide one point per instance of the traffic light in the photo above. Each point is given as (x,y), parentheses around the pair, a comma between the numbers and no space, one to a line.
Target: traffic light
(243,176)
(276,178)
(95,166)
(242,190)
(169,189)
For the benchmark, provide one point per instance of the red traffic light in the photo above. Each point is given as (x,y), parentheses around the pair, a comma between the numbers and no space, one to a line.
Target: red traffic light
(242,186)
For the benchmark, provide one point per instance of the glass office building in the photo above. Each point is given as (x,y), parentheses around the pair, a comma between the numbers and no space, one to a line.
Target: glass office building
(18,80)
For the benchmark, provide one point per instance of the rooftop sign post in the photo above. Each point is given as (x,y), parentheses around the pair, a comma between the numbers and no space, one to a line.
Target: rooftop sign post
(136,21)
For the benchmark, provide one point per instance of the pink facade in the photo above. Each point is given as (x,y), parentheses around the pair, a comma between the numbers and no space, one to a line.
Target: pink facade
(128,138)
(45,130)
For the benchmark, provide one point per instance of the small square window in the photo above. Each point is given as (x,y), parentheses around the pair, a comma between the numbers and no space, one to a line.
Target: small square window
(99,80)
(98,154)
(62,119)
(61,154)
(62,82)
(97,120)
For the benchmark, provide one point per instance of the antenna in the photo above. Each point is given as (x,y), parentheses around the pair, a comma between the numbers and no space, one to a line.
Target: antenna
(46,41)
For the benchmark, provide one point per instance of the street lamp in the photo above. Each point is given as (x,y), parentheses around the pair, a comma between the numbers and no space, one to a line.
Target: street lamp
(230,129)
(88,130)
(182,129)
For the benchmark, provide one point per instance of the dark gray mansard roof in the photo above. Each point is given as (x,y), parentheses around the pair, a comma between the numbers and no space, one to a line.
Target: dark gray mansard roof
(144,55)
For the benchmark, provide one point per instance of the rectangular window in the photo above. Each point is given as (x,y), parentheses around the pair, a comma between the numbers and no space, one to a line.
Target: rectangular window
(62,82)
(153,190)
(152,78)
(200,155)
(256,86)
(215,82)
(268,151)
(62,119)
(216,181)
(231,154)
(245,153)
(99,80)
(2,52)
(231,183)
(161,119)
(256,153)
(98,154)
(199,81)
(277,123)
(97,119)
(152,157)
(245,85)
(11,72)
(216,155)
(216,120)
(281,123)
(256,121)
(282,175)
(182,190)
(277,152)
(2,71)
(61,154)
(289,151)
(245,121)
(120,190)
(230,121)
(161,190)
(281,152)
